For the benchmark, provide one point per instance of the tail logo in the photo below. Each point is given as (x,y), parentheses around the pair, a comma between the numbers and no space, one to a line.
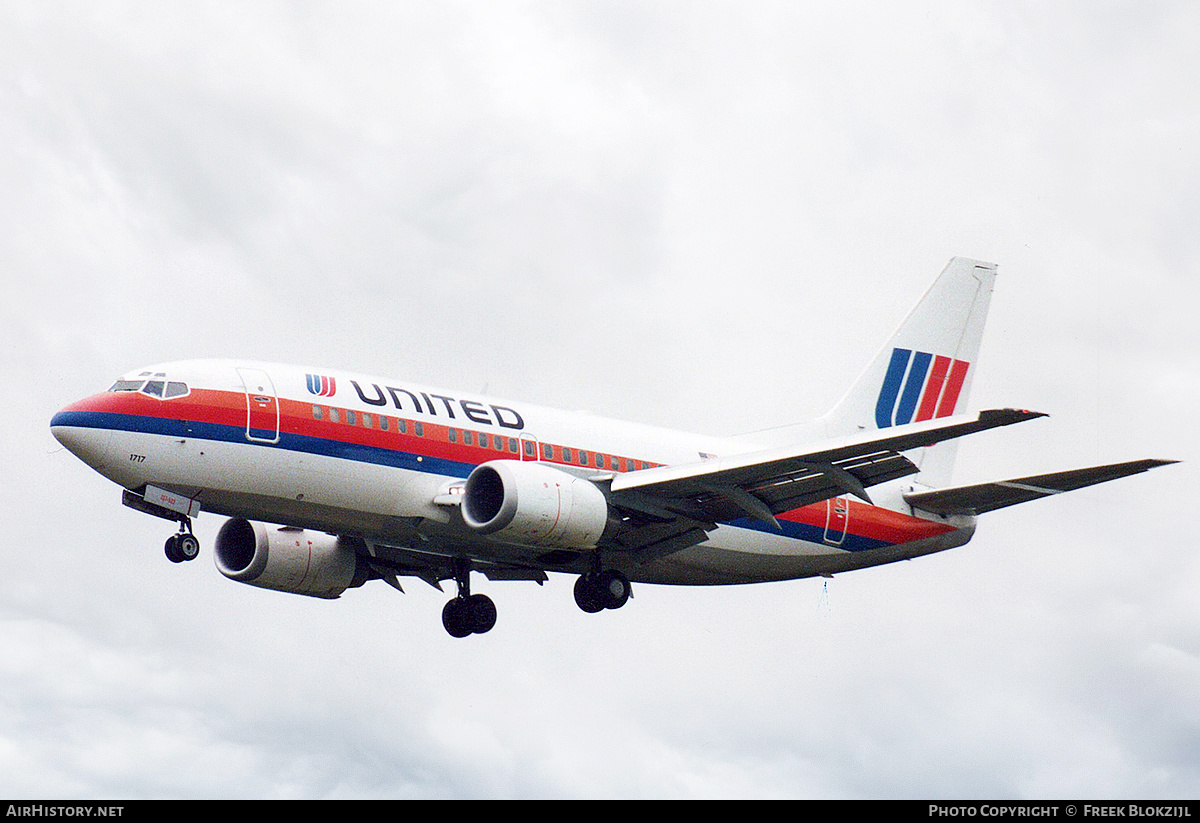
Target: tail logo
(918,386)
(321,385)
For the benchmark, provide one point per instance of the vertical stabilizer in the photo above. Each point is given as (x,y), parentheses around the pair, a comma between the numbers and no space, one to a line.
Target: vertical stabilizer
(925,370)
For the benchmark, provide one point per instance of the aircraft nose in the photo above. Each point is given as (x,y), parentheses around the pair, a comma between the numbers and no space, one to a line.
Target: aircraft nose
(63,431)
(87,443)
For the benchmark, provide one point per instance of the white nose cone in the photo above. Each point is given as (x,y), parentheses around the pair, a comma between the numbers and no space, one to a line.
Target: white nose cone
(92,446)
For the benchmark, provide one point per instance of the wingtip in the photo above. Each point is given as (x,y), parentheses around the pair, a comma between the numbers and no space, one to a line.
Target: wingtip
(1003,417)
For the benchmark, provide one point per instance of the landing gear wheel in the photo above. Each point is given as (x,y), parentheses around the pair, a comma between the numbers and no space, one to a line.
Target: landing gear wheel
(482,612)
(455,618)
(475,614)
(614,588)
(467,613)
(171,548)
(182,547)
(608,589)
(188,546)
(587,595)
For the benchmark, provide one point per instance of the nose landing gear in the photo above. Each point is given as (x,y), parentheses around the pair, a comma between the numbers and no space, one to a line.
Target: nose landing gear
(183,546)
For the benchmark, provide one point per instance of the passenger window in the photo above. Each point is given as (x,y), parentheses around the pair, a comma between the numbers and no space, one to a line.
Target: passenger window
(383,423)
(350,417)
(366,420)
(468,438)
(529,448)
(483,440)
(547,451)
(418,429)
(334,417)
(402,426)
(599,461)
(499,441)
(452,435)
(566,455)
(583,458)
(512,445)
(316,413)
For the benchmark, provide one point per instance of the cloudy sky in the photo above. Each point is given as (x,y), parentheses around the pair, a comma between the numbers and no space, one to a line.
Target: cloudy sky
(701,215)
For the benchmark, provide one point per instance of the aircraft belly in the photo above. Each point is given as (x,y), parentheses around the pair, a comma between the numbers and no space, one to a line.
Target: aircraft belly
(732,555)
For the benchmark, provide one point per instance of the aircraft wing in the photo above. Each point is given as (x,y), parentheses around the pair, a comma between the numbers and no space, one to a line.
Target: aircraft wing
(389,560)
(682,501)
(986,497)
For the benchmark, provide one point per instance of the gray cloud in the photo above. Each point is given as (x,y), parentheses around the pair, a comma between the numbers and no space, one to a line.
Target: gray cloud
(695,216)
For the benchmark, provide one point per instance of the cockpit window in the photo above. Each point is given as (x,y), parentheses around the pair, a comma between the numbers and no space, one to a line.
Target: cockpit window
(156,387)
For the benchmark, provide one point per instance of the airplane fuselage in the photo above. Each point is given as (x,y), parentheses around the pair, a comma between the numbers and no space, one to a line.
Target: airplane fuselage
(356,455)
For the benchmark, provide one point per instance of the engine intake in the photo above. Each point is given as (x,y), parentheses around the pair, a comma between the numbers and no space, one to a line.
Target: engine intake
(285,559)
(534,504)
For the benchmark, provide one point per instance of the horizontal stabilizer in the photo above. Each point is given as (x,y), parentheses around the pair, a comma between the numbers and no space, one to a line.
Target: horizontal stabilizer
(986,497)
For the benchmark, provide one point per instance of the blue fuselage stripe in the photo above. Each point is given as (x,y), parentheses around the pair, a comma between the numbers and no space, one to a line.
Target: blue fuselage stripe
(307,444)
(810,534)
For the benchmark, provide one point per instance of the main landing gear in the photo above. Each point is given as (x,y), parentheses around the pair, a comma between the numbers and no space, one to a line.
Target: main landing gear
(183,546)
(468,613)
(599,590)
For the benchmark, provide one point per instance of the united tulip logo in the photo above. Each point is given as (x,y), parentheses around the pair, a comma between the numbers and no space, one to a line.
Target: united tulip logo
(321,385)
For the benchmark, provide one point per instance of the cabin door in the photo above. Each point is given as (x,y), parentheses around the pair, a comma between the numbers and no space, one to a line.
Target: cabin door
(837,517)
(262,406)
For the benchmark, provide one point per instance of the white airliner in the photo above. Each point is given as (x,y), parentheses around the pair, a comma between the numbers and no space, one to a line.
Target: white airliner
(368,478)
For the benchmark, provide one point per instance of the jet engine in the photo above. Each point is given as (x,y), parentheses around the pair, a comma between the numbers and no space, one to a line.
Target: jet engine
(534,504)
(286,559)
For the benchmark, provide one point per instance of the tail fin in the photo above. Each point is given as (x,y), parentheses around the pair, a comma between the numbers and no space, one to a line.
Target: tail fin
(925,370)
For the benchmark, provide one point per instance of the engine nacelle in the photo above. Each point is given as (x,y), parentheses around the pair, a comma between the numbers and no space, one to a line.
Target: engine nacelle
(285,559)
(534,504)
